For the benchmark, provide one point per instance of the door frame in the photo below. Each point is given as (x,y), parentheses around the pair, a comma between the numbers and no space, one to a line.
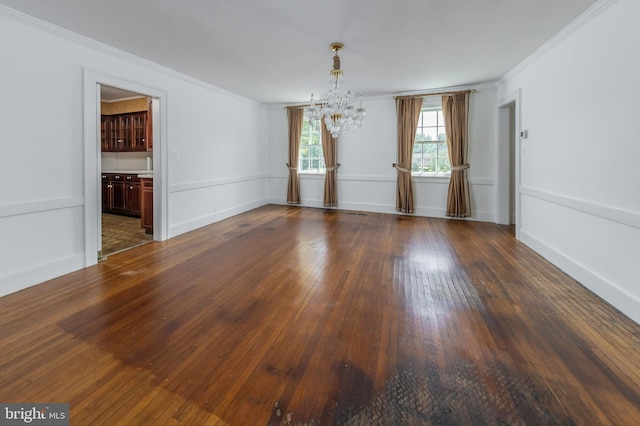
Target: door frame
(506,134)
(92,158)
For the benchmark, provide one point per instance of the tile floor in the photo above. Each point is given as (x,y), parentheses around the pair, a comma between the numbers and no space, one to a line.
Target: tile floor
(121,232)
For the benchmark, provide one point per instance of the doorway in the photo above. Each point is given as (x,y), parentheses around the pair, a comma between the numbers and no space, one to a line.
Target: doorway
(126,159)
(158,193)
(508,179)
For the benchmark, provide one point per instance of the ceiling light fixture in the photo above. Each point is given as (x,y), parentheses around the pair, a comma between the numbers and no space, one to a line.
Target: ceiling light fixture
(337,106)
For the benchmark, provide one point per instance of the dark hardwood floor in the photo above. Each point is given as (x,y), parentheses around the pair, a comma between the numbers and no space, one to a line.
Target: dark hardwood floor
(287,315)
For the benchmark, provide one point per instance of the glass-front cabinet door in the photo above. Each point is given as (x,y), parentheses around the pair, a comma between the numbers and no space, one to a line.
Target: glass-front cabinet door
(124,132)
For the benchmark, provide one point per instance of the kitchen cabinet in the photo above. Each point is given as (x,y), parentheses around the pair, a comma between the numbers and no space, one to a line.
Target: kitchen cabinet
(107,194)
(132,195)
(121,194)
(115,132)
(149,138)
(118,194)
(125,132)
(105,129)
(146,207)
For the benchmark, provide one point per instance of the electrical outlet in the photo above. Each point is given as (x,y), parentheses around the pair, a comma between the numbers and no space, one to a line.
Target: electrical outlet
(174,152)
(215,208)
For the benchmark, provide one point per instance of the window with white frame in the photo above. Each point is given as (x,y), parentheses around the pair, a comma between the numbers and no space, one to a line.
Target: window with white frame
(311,156)
(430,153)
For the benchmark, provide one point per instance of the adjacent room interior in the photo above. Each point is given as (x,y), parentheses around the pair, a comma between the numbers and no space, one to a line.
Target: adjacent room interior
(126,172)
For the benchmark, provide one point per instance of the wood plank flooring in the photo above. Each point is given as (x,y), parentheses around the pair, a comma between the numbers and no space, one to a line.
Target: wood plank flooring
(296,316)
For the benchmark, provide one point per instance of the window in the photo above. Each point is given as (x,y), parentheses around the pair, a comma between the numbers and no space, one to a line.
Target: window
(311,156)
(430,152)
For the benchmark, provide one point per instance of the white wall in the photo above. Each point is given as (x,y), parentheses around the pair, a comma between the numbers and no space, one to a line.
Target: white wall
(366,179)
(127,161)
(579,181)
(219,139)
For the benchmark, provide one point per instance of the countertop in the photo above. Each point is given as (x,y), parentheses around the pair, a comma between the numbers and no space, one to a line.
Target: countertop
(140,173)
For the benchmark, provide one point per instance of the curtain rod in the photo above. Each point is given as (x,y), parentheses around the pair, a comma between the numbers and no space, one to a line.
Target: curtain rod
(298,106)
(302,106)
(417,95)
(424,95)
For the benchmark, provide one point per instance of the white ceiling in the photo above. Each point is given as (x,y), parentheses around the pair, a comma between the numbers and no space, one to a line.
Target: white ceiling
(277,51)
(109,93)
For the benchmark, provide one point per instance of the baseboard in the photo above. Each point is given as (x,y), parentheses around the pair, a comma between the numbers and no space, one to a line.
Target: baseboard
(38,274)
(199,222)
(605,289)
(387,209)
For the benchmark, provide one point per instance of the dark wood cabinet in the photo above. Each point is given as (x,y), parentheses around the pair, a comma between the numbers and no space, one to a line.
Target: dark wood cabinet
(115,132)
(107,194)
(125,132)
(105,129)
(139,131)
(118,194)
(146,189)
(121,194)
(132,195)
(149,139)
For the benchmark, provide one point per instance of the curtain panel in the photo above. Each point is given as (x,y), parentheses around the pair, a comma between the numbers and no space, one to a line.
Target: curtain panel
(295,116)
(455,109)
(329,149)
(407,114)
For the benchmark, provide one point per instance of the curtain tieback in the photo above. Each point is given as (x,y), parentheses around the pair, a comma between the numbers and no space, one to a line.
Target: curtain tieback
(401,169)
(459,168)
(332,168)
(291,168)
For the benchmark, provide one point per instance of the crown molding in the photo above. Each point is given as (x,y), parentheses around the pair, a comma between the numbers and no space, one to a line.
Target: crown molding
(478,87)
(573,27)
(66,34)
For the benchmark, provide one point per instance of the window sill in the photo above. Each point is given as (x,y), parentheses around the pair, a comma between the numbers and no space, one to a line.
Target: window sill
(431,178)
(432,175)
(311,175)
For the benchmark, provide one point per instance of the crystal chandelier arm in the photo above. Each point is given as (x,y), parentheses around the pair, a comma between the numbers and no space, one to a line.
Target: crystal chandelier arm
(338,107)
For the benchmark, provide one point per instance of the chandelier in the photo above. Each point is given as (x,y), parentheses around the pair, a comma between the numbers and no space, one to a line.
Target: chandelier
(337,106)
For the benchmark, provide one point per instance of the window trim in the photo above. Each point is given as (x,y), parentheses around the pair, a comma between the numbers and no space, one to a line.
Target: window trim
(320,171)
(431,105)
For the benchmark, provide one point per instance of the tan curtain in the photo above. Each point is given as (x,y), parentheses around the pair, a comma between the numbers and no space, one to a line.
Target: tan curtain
(408,114)
(455,109)
(331,163)
(295,115)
